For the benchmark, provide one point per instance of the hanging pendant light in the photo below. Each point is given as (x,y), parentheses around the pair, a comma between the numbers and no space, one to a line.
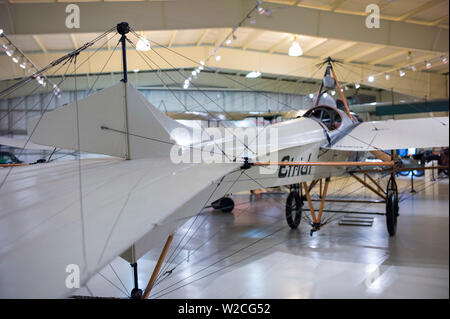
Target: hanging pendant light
(295,49)
(143,44)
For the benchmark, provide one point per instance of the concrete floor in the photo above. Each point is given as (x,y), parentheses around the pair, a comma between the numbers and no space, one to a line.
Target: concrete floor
(252,253)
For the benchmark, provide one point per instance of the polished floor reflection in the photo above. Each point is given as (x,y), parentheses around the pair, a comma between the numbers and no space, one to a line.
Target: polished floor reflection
(252,253)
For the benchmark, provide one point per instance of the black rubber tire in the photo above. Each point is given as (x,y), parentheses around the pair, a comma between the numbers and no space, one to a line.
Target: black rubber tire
(294,205)
(226,205)
(136,293)
(391,213)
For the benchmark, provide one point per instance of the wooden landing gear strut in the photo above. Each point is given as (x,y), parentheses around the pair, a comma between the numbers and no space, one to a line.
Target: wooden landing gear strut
(295,201)
(316,220)
(390,197)
(152,280)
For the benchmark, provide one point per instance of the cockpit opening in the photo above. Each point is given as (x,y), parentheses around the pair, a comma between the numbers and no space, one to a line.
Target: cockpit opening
(328,116)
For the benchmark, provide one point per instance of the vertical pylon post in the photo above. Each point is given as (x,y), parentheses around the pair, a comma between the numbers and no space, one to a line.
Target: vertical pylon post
(123,28)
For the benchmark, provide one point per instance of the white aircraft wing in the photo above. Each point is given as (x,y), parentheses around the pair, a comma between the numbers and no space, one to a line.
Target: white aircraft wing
(41,220)
(396,134)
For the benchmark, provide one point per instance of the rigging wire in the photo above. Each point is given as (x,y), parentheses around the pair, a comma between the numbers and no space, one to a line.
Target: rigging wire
(227,266)
(406,104)
(260,131)
(198,89)
(212,69)
(329,220)
(60,60)
(203,207)
(125,288)
(216,233)
(114,285)
(176,97)
(196,230)
(80,179)
(241,211)
(105,64)
(35,127)
(57,70)
(158,294)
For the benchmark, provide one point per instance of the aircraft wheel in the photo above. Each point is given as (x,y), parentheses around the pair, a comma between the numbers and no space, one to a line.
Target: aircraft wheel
(392,207)
(136,293)
(224,204)
(294,205)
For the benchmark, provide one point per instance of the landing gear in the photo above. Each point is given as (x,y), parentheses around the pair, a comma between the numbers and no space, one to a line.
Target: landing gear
(294,205)
(392,206)
(136,293)
(224,204)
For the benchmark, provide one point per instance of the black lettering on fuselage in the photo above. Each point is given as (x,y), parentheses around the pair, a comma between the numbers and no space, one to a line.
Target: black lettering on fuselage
(305,169)
(282,172)
(295,170)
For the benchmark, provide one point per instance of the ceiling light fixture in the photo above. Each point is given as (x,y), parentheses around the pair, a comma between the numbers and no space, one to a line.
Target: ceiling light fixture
(253,75)
(402,73)
(143,44)
(371,78)
(295,49)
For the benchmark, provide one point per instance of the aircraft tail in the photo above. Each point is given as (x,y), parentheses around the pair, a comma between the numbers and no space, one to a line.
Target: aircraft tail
(106,126)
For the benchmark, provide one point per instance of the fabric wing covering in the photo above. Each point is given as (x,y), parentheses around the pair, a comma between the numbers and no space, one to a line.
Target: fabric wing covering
(40,222)
(89,212)
(396,134)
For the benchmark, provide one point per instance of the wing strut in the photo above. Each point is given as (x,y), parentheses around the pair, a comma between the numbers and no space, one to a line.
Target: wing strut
(157,267)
